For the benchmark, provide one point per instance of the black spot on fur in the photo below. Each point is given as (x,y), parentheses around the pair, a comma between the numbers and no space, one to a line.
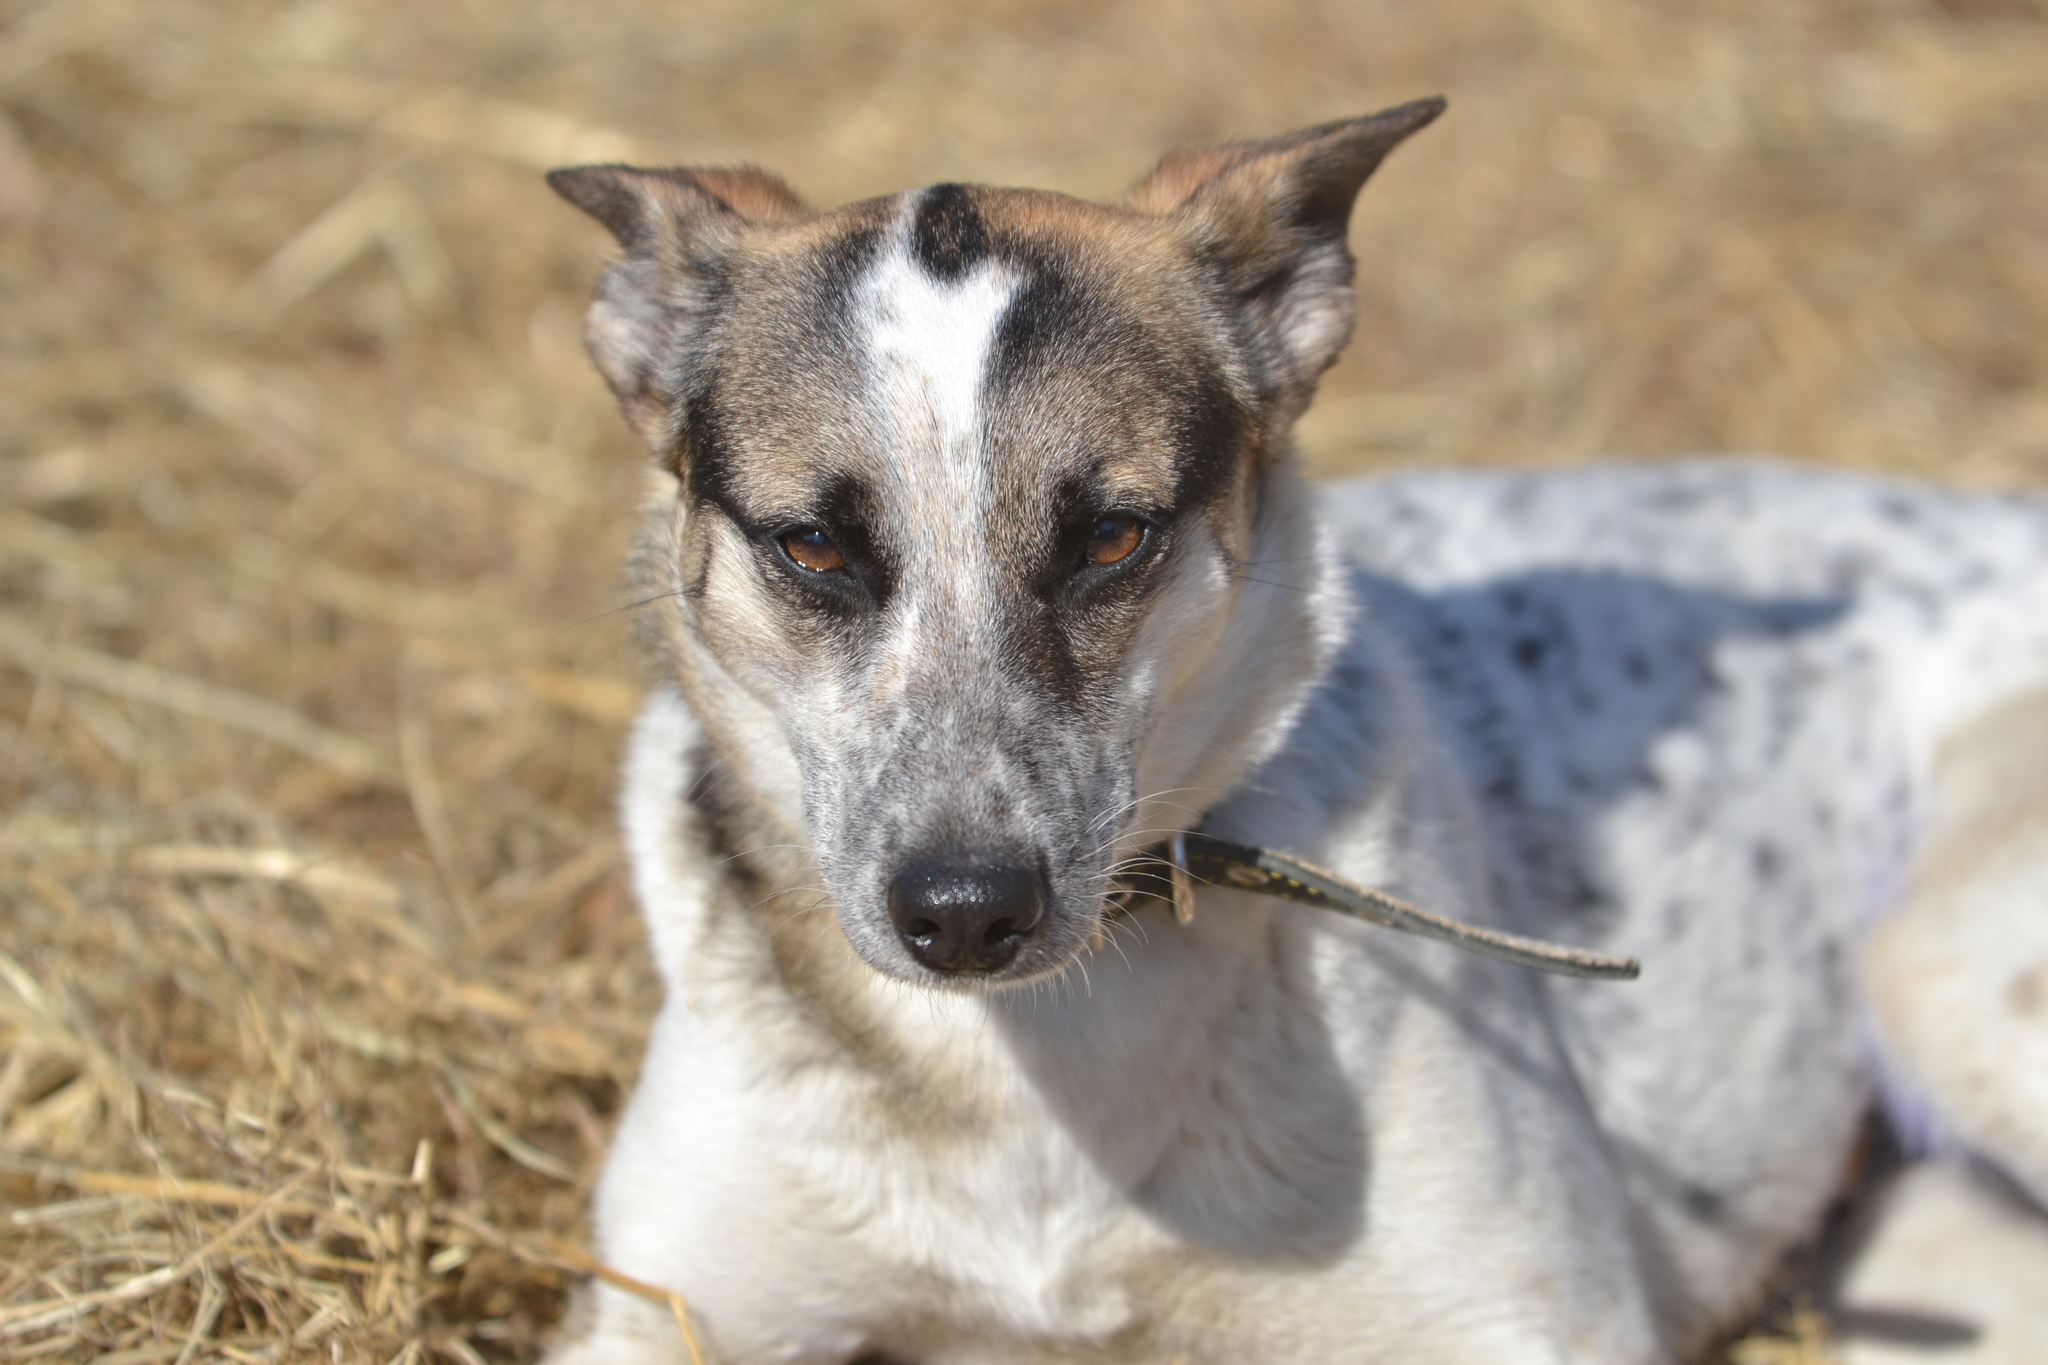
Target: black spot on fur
(1047,317)
(948,238)
(1053,321)
(837,274)
(1704,1205)
(1208,439)
(1897,510)
(705,459)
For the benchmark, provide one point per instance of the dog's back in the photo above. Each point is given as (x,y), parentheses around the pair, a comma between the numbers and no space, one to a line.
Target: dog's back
(1719,715)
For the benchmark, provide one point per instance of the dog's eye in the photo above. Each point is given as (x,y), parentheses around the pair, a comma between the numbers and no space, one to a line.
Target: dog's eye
(812,549)
(1115,538)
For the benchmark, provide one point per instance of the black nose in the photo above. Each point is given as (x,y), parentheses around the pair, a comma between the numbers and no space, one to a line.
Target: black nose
(966,913)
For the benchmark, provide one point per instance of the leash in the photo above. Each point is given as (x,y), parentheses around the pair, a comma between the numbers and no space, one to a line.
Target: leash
(1188,858)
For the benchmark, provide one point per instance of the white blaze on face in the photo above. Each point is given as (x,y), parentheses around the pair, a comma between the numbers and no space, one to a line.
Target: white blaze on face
(929,343)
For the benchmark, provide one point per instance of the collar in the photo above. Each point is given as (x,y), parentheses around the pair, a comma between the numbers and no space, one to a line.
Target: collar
(1170,871)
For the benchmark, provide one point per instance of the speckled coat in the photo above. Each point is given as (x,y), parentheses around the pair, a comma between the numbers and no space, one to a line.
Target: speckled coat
(1767,728)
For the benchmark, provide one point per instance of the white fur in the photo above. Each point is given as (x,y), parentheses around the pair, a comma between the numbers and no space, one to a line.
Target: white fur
(928,343)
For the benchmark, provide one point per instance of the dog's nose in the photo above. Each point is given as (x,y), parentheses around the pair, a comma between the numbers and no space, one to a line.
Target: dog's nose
(966,914)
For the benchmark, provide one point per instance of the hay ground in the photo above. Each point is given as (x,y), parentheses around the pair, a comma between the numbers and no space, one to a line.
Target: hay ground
(318,986)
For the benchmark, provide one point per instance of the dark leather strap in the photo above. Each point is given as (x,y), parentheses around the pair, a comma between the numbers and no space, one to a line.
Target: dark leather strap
(1219,862)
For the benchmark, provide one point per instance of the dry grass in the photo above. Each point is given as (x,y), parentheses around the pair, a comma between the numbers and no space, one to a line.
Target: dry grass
(319,988)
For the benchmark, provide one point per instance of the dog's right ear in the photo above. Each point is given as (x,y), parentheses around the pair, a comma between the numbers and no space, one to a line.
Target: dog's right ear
(677,227)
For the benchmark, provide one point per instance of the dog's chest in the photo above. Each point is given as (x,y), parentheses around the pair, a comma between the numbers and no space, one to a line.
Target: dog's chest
(990,1170)
(923,1194)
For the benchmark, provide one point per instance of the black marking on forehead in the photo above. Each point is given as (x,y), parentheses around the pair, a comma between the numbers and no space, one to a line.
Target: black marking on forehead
(1209,431)
(792,321)
(1046,314)
(796,323)
(707,457)
(839,267)
(1055,322)
(947,238)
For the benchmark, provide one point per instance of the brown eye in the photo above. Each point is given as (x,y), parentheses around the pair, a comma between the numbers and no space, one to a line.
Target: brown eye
(1114,538)
(813,549)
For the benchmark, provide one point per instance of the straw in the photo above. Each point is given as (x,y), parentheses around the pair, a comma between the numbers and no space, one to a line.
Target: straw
(320,989)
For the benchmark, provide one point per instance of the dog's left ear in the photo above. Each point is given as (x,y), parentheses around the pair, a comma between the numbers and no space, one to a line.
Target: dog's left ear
(1274,216)
(678,227)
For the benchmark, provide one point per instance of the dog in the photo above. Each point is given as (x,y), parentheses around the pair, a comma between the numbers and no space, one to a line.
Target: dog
(980,564)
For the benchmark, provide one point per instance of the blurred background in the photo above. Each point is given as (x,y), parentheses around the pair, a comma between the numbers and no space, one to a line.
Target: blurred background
(318,987)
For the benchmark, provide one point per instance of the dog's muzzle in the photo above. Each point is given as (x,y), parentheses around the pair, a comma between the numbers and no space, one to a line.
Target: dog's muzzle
(966,915)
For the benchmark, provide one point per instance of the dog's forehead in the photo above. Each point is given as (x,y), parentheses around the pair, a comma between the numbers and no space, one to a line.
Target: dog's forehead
(1048,339)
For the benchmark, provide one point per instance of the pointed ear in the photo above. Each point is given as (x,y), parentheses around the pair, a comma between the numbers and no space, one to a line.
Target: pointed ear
(677,227)
(1273,217)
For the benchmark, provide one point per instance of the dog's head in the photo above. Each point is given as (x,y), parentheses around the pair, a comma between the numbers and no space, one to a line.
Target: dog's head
(985,565)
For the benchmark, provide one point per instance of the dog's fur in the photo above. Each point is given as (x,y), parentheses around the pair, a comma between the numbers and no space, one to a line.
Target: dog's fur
(1691,712)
